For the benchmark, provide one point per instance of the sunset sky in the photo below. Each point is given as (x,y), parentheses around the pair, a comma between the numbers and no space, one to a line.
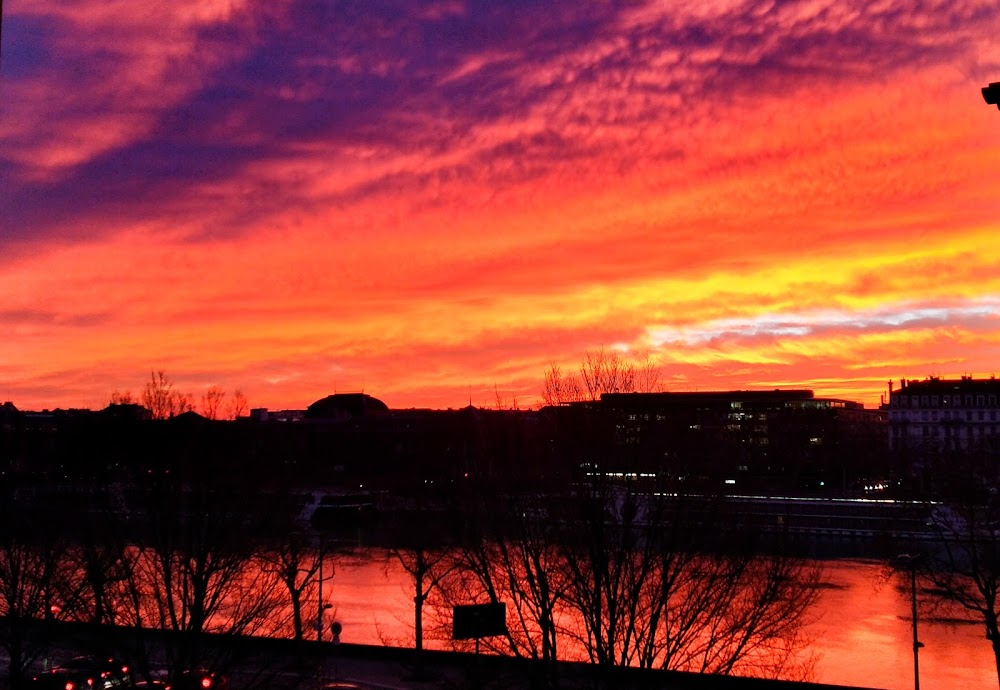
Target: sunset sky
(432,200)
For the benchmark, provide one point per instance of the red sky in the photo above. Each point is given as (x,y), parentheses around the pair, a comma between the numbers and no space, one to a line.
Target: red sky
(428,201)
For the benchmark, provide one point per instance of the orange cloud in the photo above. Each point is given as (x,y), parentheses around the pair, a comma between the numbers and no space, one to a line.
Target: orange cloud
(243,200)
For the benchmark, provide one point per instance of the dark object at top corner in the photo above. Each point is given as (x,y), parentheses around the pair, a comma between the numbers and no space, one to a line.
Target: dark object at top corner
(991,94)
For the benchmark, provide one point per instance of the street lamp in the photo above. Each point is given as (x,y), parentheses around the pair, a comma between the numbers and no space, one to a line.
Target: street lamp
(322,606)
(910,561)
(991,94)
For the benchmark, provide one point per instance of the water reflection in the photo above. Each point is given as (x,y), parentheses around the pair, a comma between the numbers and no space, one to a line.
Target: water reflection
(864,635)
(860,636)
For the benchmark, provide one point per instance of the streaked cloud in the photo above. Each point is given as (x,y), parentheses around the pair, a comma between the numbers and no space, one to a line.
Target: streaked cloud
(432,199)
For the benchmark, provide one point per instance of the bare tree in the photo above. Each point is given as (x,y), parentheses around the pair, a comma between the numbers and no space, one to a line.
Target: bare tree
(511,555)
(647,376)
(964,569)
(427,566)
(660,584)
(37,584)
(422,524)
(161,399)
(195,572)
(99,552)
(121,398)
(606,371)
(295,563)
(503,400)
(211,402)
(601,371)
(238,405)
(559,387)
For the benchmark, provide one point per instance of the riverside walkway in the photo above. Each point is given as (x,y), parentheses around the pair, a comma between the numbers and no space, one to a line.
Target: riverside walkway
(281,664)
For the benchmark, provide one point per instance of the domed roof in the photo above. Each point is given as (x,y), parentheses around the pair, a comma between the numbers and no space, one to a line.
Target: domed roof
(344,405)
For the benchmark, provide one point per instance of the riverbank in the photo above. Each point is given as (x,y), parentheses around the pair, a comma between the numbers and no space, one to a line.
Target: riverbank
(280,664)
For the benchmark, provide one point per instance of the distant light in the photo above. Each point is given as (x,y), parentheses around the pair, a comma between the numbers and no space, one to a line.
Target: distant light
(206,682)
(730,481)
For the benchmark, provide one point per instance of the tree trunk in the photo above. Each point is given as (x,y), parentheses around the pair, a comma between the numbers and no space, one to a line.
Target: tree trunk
(418,621)
(297,616)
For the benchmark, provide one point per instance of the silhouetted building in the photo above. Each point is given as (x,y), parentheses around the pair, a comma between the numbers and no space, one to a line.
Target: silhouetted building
(749,440)
(343,406)
(731,440)
(10,417)
(937,416)
(126,411)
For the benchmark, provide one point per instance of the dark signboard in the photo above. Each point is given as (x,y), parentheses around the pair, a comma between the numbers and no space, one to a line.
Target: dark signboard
(479,620)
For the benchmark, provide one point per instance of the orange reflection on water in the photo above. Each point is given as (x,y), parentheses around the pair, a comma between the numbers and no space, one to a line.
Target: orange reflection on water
(861,635)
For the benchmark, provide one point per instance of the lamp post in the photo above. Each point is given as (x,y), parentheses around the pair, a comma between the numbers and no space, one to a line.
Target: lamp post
(322,606)
(910,561)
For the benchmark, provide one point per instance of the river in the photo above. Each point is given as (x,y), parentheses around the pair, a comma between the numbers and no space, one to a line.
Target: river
(861,632)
